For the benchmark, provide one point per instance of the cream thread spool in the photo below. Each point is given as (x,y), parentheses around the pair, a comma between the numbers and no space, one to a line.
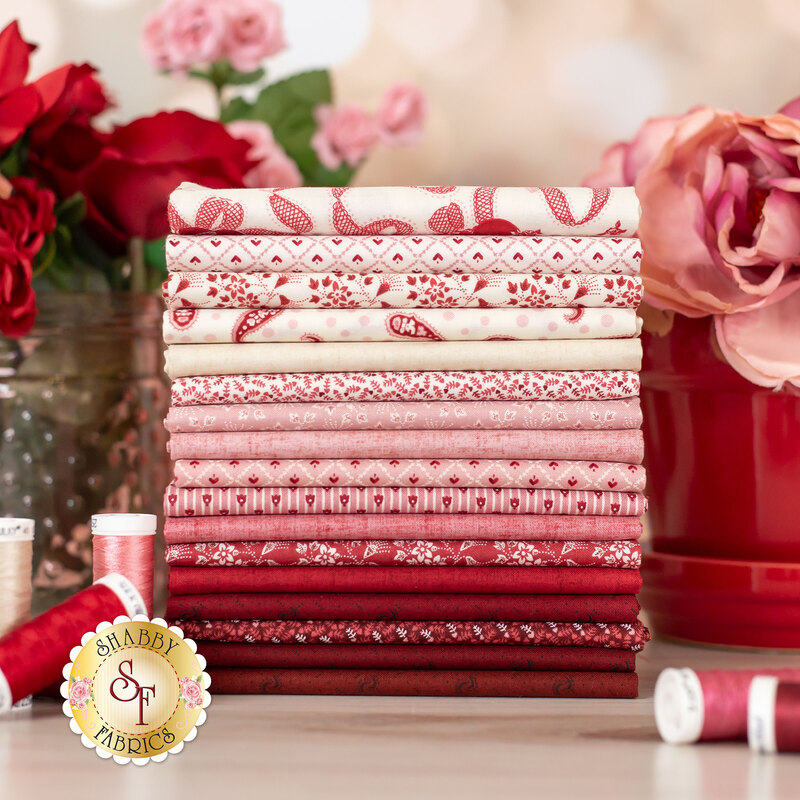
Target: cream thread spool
(123,543)
(16,556)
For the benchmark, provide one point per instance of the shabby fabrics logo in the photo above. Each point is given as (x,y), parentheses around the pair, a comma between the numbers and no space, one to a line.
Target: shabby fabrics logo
(135,690)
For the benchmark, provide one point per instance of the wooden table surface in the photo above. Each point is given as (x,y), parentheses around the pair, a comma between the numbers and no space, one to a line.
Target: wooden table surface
(372,748)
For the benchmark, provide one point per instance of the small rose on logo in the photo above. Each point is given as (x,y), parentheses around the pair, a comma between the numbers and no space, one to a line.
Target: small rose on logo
(80,692)
(191,692)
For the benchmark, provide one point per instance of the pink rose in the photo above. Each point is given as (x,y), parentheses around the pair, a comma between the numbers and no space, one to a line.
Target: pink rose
(401,115)
(191,692)
(344,134)
(80,692)
(274,169)
(185,33)
(254,32)
(720,227)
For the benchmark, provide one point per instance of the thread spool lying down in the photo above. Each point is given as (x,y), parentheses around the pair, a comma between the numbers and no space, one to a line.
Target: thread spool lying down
(773,715)
(706,705)
(33,655)
(123,543)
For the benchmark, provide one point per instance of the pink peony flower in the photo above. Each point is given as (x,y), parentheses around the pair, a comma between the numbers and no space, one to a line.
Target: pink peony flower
(344,134)
(401,115)
(274,169)
(80,692)
(185,33)
(720,227)
(191,692)
(254,32)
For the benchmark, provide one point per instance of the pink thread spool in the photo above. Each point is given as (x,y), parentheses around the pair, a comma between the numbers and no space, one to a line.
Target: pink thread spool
(123,543)
(773,715)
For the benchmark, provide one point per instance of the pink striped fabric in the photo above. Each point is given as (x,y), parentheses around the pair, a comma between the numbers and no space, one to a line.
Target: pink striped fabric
(546,415)
(210,502)
(524,474)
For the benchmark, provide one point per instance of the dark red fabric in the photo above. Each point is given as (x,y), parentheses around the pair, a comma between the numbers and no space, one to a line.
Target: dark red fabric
(411,656)
(553,608)
(400,526)
(475,580)
(425,683)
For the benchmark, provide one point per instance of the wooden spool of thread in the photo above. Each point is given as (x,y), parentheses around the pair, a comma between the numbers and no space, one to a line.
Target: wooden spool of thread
(33,655)
(123,543)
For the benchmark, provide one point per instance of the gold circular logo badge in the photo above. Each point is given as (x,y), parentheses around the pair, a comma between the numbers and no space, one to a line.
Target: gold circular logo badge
(135,690)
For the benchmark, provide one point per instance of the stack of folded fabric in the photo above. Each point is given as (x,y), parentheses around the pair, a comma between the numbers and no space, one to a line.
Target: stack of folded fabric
(406,439)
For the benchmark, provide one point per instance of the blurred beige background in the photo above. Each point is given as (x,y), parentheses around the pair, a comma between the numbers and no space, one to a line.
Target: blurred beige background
(522,91)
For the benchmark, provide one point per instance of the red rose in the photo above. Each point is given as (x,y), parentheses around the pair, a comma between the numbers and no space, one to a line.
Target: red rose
(127,186)
(19,104)
(26,216)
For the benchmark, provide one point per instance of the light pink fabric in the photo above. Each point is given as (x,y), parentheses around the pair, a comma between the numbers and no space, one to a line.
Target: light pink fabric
(404,210)
(416,552)
(326,290)
(449,472)
(400,386)
(282,527)
(211,502)
(493,415)
(381,254)
(207,325)
(623,446)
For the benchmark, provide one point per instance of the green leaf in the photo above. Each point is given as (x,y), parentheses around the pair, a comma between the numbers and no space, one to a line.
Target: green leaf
(71,211)
(155,256)
(12,162)
(244,78)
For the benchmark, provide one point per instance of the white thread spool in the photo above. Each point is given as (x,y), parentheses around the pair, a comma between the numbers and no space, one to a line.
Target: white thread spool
(16,557)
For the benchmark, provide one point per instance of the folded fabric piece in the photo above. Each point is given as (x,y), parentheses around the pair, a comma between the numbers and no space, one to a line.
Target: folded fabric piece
(555,608)
(381,500)
(281,290)
(398,526)
(206,325)
(258,357)
(386,552)
(443,415)
(535,658)
(613,635)
(524,474)
(625,446)
(425,683)
(482,580)
(385,254)
(403,210)
(502,385)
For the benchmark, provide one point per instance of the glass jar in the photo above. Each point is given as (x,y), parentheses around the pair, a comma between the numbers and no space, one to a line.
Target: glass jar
(82,403)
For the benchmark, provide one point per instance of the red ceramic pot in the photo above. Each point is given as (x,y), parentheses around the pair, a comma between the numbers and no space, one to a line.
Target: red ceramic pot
(722,455)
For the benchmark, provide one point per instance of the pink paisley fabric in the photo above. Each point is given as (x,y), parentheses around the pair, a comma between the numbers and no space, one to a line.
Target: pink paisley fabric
(405,210)
(446,415)
(449,472)
(512,385)
(615,635)
(326,500)
(401,526)
(187,360)
(326,290)
(202,326)
(626,445)
(386,254)
(385,553)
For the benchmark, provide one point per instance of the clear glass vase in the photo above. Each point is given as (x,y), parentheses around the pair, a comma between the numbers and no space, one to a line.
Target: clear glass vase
(82,403)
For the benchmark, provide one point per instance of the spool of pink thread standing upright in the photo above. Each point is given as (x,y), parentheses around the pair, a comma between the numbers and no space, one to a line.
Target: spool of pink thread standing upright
(123,543)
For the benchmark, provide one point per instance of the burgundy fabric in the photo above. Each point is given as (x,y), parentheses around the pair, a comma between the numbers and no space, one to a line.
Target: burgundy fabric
(479,580)
(424,683)
(412,656)
(556,608)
